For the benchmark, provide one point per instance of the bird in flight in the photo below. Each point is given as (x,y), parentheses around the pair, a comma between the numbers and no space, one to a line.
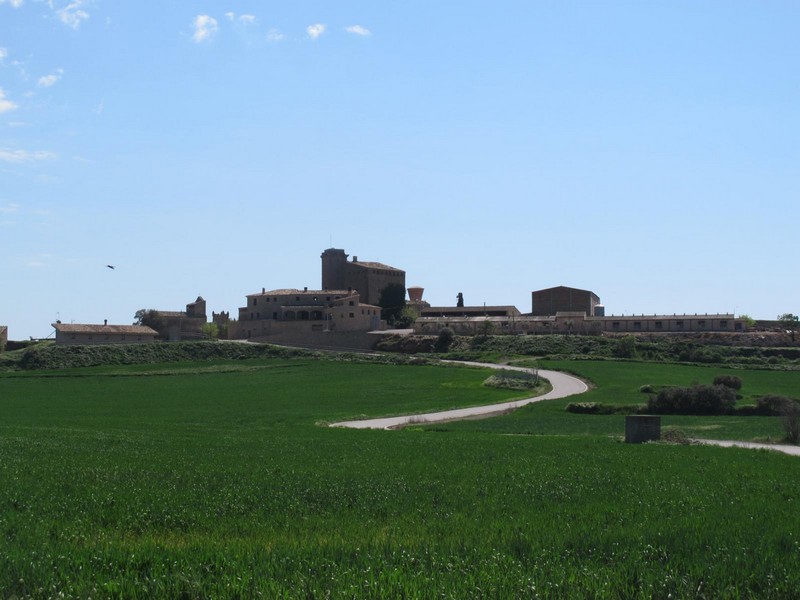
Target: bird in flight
(111,266)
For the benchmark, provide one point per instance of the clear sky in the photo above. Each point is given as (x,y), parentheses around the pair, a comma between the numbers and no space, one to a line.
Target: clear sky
(647,151)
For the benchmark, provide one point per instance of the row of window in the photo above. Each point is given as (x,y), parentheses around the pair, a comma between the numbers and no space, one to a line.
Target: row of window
(660,325)
(296,299)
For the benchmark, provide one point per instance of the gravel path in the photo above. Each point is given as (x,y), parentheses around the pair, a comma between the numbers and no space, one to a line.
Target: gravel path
(563,385)
(792,450)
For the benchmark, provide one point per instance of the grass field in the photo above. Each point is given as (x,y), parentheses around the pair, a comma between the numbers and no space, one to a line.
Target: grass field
(618,382)
(218,481)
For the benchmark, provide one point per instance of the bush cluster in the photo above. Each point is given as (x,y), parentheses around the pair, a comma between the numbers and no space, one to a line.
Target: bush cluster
(596,408)
(694,400)
(513,380)
(730,381)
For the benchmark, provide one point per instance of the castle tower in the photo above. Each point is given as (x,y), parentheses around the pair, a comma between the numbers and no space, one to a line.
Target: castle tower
(334,263)
(196,309)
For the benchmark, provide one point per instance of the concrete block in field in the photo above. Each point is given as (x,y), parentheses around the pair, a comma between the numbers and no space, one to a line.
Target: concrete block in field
(642,428)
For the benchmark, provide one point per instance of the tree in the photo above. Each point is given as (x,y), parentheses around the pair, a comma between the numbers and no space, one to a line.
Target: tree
(211,331)
(749,321)
(392,303)
(789,321)
(149,317)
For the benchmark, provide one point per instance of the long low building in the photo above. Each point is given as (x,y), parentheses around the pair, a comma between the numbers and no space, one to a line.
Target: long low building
(579,322)
(86,334)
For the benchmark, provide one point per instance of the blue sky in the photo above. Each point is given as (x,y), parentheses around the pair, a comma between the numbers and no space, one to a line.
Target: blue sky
(646,151)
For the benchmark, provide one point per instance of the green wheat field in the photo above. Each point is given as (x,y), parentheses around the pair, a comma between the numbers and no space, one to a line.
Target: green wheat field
(222,480)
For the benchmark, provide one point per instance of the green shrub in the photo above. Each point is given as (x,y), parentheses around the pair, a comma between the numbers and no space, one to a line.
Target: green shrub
(626,347)
(730,381)
(773,406)
(694,400)
(595,408)
(444,340)
(513,380)
(647,389)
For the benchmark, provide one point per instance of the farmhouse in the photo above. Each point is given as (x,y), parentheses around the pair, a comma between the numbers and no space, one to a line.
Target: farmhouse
(298,314)
(566,310)
(103,334)
(369,279)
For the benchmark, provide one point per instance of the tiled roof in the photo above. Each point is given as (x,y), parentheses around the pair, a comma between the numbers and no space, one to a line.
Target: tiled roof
(375,265)
(293,292)
(458,310)
(101,329)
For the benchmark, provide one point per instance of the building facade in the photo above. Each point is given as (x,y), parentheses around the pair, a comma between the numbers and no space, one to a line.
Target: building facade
(551,301)
(291,312)
(74,334)
(369,279)
(579,323)
(175,326)
(470,311)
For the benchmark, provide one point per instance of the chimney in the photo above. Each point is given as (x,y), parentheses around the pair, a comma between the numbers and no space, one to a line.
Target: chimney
(105,321)
(355,259)
(305,289)
(263,290)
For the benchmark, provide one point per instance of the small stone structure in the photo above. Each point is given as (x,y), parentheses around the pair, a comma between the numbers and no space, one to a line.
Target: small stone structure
(642,428)
(3,337)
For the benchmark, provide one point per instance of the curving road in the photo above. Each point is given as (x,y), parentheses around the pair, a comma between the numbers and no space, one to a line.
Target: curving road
(563,385)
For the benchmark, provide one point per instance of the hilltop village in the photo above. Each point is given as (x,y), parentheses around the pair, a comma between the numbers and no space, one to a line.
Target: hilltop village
(359,302)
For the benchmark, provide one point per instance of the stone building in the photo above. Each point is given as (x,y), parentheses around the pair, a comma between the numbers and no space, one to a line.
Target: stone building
(3,337)
(579,323)
(103,334)
(470,311)
(369,279)
(182,325)
(551,301)
(298,314)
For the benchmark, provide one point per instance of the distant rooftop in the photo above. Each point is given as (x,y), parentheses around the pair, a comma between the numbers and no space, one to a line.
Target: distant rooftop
(294,292)
(90,328)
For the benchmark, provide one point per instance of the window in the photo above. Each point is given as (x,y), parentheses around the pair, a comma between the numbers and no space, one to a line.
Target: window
(614,325)
(327,298)
(701,324)
(297,298)
(679,324)
(637,324)
(659,325)
(258,315)
(274,316)
(352,303)
(723,324)
(255,301)
(352,315)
